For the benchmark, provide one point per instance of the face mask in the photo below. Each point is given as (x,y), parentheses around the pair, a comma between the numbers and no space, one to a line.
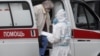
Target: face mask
(55,21)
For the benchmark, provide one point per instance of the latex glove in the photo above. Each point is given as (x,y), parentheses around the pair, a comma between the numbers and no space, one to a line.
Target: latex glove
(55,21)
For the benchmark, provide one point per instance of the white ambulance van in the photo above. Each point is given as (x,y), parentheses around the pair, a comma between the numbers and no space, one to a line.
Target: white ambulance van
(84,16)
(18,32)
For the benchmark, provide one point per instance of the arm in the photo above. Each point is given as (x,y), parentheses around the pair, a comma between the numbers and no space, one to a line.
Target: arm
(55,36)
(39,17)
(56,33)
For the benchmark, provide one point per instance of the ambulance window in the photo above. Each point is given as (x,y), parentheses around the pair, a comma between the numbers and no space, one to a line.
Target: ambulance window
(21,14)
(84,18)
(5,18)
(15,15)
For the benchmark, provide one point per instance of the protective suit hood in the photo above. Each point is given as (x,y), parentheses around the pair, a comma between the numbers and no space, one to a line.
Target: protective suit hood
(61,15)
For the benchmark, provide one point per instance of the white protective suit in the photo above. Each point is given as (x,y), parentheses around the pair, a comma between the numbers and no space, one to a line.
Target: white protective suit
(60,38)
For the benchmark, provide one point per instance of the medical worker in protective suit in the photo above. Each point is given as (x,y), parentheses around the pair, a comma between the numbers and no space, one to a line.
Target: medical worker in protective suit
(60,38)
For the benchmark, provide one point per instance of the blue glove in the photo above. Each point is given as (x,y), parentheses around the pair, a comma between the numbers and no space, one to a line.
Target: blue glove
(55,21)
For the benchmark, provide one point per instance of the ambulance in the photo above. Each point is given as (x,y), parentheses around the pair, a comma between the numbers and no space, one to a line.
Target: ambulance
(84,16)
(19,34)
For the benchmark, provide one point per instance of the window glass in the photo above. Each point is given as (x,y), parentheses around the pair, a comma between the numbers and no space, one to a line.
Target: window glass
(83,17)
(15,15)
(5,18)
(95,6)
(21,15)
(91,20)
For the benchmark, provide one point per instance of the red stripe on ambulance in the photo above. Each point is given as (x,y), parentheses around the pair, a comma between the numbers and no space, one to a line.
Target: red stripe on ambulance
(18,33)
(85,34)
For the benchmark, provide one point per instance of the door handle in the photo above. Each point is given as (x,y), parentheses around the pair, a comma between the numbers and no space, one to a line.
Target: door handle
(83,40)
(80,40)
